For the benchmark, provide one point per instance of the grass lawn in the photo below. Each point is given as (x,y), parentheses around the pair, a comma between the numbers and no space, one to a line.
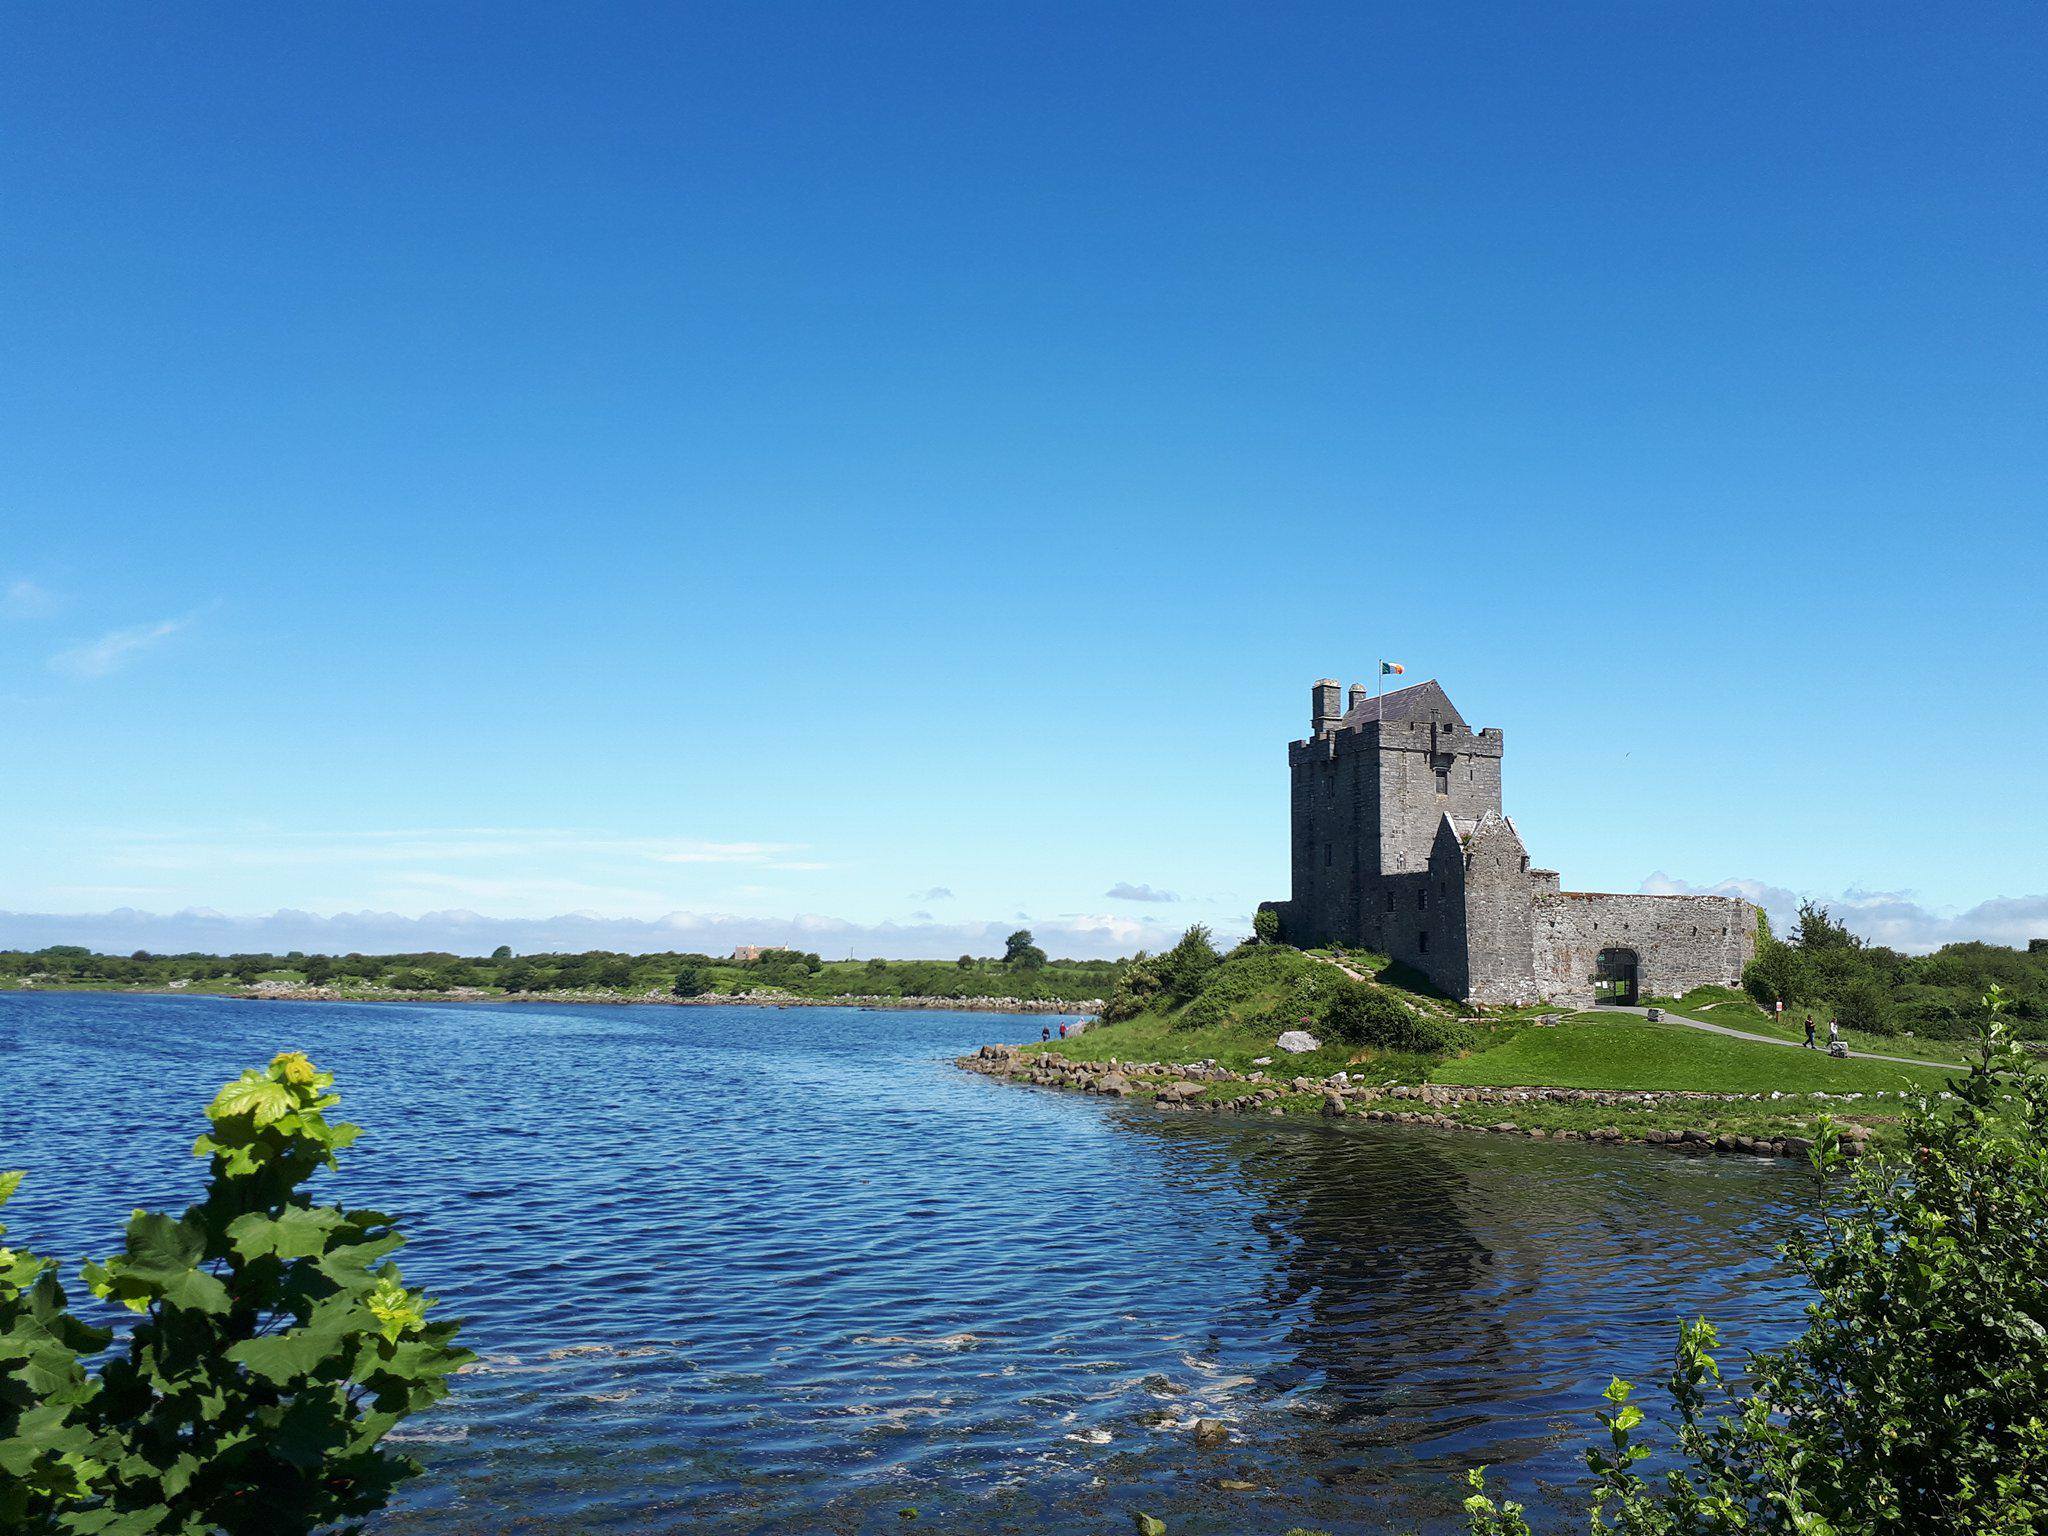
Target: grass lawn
(1736,1010)
(1602,1051)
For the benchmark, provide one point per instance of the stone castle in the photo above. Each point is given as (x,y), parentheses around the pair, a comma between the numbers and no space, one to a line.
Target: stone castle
(1400,847)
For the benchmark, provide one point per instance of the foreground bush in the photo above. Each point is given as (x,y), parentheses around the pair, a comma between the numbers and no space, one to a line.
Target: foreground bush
(276,1347)
(1916,1401)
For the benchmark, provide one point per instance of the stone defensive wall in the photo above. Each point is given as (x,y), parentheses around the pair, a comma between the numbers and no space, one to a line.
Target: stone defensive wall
(1680,942)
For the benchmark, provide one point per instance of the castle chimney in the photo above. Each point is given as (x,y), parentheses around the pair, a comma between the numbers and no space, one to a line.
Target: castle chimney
(1359,694)
(1324,709)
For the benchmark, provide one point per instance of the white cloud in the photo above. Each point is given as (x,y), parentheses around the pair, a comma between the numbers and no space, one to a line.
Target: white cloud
(936,893)
(115,649)
(467,932)
(1123,890)
(1891,918)
(536,890)
(23,599)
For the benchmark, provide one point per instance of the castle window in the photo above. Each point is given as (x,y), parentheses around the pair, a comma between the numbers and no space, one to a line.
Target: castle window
(1422,900)
(1422,941)
(1326,855)
(1525,863)
(1390,901)
(1443,781)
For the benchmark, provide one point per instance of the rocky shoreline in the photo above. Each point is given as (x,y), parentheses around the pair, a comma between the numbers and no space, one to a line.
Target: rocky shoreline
(1204,1087)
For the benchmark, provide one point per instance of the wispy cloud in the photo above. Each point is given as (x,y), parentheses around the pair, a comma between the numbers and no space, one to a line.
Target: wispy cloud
(23,599)
(762,855)
(115,649)
(256,847)
(1892,918)
(467,932)
(1124,891)
(936,893)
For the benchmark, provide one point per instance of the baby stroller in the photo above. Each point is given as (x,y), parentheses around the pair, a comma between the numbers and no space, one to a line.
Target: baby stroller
(1838,1050)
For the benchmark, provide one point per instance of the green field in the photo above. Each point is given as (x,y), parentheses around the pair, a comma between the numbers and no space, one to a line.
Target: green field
(1605,1051)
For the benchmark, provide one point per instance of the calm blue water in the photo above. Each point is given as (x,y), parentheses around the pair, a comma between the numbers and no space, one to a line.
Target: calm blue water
(759,1270)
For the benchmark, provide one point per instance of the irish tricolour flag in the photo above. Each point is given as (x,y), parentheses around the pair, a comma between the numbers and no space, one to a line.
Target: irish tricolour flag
(1391,669)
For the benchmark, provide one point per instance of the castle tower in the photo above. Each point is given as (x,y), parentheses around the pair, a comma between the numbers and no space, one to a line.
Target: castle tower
(1399,846)
(1370,788)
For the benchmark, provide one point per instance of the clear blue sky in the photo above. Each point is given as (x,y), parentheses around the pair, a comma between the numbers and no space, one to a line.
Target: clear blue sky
(771,459)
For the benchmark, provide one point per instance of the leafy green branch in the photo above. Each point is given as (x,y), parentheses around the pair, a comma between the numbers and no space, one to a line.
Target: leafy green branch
(276,1347)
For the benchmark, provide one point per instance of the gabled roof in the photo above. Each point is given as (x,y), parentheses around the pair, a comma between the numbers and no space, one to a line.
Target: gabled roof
(1493,825)
(1418,701)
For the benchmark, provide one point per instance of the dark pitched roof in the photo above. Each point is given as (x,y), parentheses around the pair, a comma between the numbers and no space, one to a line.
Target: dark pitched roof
(1418,701)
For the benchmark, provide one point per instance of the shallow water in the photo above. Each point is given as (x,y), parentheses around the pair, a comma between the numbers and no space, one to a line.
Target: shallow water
(761,1270)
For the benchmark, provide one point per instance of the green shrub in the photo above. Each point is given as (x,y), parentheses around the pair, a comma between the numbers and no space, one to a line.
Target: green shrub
(1135,990)
(1205,1012)
(276,1347)
(1183,968)
(1865,1004)
(1266,926)
(1362,1015)
(1779,974)
(1913,1402)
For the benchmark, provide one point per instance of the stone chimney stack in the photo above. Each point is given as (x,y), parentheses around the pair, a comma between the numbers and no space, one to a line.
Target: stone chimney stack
(1359,694)
(1325,708)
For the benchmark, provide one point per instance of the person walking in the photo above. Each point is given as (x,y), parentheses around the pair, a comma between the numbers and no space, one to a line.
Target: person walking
(1809,1031)
(1045,1032)
(1834,1034)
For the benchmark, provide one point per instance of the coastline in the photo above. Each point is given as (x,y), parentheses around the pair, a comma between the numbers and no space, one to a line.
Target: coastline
(1689,1123)
(293,992)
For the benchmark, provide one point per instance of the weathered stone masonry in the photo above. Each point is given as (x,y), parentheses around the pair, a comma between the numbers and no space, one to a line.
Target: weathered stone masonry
(1399,846)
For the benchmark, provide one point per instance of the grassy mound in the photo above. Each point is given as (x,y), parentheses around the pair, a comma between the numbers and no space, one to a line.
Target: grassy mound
(1183,1006)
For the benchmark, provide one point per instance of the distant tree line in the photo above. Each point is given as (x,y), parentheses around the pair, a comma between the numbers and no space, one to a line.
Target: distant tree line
(1822,966)
(1023,971)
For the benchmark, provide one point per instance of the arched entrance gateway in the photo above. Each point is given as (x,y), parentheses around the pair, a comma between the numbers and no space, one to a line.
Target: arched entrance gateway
(1614,976)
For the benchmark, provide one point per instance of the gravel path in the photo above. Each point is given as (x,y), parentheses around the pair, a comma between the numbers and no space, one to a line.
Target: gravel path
(1743,1034)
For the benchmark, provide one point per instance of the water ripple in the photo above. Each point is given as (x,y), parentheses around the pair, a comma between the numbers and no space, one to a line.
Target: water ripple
(761,1270)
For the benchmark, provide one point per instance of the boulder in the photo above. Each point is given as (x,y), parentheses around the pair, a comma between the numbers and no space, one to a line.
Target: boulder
(1297,1042)
(1211,1432)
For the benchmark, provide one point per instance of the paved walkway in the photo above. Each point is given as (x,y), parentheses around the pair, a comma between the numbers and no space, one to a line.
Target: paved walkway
(1743,1034)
